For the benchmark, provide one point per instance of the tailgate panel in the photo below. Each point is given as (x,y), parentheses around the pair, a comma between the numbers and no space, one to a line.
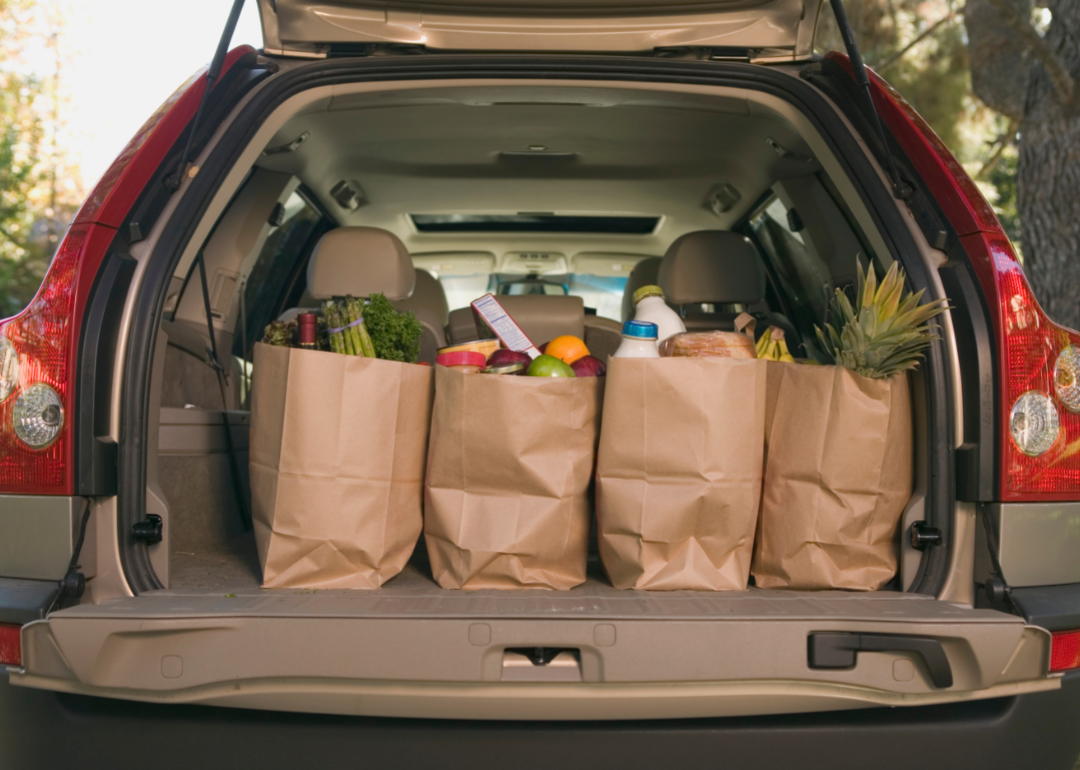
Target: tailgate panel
(418,655)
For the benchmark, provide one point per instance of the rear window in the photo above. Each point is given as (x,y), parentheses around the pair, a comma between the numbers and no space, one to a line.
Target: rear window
(803,279)
(534,223)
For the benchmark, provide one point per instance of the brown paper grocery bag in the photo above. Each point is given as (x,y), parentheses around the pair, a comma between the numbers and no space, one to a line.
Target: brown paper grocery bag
(509,466)
(338,446)
(678,477)
(838,474)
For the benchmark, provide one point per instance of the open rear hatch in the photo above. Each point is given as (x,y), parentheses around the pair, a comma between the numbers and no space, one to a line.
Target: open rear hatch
(758,29)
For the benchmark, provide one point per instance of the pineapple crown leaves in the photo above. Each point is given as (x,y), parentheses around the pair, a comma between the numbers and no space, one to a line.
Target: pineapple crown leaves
(886,333)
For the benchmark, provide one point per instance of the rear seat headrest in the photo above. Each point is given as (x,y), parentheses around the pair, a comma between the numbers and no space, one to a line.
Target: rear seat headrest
(712,266)
(361,261)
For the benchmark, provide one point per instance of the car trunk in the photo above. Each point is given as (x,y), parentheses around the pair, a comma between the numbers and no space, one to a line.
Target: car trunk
(212,635)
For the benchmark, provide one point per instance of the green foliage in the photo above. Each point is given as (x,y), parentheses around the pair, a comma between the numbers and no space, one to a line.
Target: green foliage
(34,208)
(396,335)
(1003,178)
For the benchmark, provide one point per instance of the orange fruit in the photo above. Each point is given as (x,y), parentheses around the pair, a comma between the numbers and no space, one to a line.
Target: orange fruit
(567,348)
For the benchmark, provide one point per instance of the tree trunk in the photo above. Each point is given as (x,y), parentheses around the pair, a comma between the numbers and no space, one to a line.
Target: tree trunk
(1000,60)
(1048,195)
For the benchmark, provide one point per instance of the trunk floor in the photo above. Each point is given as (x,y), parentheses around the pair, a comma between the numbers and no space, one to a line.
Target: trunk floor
(228,584)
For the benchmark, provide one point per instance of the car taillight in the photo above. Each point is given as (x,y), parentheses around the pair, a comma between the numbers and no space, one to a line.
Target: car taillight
(10,645)
(39,347)
(1038,361)
(1065,651)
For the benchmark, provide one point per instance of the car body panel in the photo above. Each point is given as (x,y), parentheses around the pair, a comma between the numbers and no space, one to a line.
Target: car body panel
(781,29)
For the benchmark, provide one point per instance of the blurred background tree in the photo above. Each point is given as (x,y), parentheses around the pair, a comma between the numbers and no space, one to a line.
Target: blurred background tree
(39,188)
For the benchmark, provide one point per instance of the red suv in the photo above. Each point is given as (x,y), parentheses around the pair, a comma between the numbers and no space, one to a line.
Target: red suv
(570,144)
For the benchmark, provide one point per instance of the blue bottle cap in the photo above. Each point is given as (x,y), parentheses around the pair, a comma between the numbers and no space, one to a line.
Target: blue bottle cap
(641,330)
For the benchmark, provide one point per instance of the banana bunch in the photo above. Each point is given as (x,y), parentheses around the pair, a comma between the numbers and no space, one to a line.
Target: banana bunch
(773,347)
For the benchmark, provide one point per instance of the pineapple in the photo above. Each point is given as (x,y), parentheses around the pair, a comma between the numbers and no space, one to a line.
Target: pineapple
(888,332)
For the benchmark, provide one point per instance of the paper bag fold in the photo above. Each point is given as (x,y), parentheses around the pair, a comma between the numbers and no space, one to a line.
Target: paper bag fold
(338,448)
(679,472)
(509,466)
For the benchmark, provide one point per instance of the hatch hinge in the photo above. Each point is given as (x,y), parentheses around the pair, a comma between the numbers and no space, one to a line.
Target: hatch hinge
(901,190)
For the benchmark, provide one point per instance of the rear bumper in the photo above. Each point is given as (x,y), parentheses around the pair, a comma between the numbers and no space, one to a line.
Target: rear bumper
(1037,731)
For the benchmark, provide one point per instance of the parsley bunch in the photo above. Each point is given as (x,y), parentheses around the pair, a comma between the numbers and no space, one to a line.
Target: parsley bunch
(396,335)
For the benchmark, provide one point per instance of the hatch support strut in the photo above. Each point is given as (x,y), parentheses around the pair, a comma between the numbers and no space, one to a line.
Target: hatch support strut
(901,190)
(212,74)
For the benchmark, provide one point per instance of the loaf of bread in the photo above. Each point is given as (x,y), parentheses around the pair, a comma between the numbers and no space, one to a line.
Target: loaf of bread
(706,344)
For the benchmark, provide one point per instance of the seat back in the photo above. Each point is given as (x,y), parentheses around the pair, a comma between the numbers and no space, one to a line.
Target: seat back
(428,304)
(542,318)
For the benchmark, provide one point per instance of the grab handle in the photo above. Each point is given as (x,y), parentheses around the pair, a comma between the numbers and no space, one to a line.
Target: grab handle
(838,650)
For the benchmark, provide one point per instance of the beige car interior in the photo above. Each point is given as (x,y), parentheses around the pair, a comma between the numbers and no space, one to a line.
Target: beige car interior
(370,159)
(366,158)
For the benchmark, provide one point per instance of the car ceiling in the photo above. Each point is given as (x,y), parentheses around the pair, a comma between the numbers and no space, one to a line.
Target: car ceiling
(465,149)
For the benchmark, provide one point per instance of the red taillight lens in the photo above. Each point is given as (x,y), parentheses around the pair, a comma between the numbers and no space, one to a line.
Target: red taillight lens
(45,339)
(45,336)
(1065,651)
(10,645)
(1028,343)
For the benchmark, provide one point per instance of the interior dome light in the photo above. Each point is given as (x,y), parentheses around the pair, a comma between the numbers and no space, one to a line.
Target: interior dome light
(38,416)
(1067,378)
(9,368)
(1034,423)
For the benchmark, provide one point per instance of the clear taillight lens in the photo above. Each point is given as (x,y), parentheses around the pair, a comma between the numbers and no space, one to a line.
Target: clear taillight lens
(1067,378)
(9,368)
(1034,423)
(38,416)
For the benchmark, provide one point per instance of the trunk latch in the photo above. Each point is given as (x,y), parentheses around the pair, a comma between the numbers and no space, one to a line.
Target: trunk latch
(541,664)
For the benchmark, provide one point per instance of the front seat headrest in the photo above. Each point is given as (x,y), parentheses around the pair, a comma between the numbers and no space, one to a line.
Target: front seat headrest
(716,266)
(361,261)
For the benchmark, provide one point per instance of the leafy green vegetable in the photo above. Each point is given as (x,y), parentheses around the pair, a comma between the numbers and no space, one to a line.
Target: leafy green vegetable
(281,333)
(396,336)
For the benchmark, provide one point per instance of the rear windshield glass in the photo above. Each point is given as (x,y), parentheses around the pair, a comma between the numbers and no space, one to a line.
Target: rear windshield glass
(533,223)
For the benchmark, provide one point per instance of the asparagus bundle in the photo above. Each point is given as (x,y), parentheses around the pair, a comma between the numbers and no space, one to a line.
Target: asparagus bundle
(347,332)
